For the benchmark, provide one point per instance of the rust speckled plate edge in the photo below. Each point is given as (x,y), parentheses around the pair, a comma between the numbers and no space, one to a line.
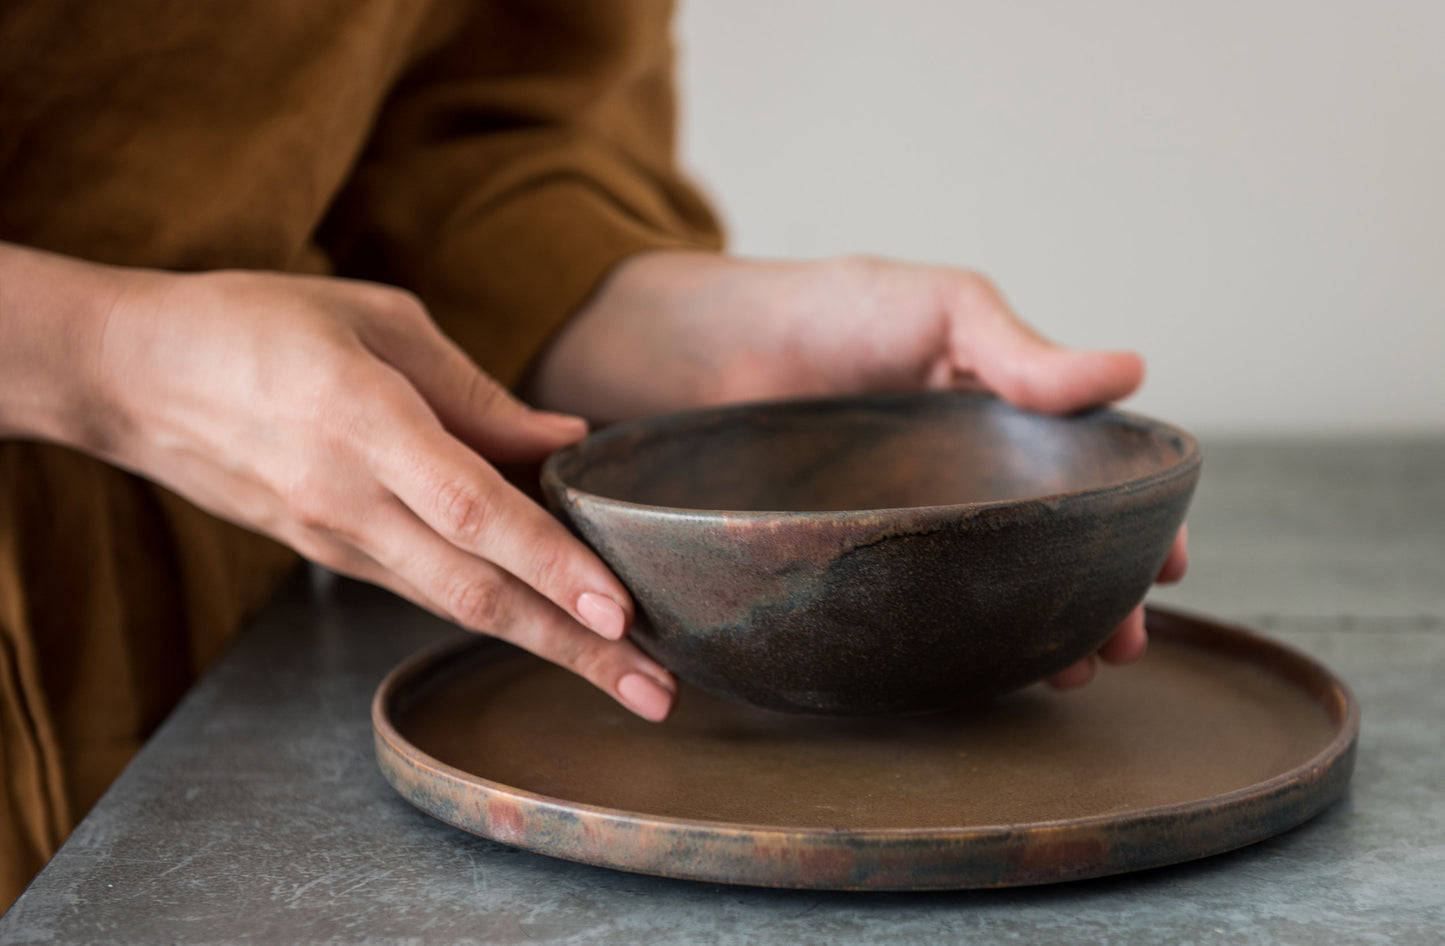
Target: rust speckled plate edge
(964,857)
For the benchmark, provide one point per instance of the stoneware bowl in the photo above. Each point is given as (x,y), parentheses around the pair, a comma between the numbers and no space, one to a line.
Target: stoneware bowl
(877,555)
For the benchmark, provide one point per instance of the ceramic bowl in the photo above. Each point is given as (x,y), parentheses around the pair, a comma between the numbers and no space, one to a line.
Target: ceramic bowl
(877,555)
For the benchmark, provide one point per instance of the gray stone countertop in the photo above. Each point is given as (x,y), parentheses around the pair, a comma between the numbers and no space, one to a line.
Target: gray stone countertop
(257,813)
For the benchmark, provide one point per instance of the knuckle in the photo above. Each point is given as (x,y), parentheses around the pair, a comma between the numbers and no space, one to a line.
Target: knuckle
(394,302)
(574,653)
(590,662)
(979,281)
(465,512)
(484,395)
(323,549)
(329,555)
(334,389)
(551,566)
(974,288)
(476,603)
(310,504)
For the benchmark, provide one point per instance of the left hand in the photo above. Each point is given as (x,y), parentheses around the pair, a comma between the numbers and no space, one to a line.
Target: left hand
(711,329)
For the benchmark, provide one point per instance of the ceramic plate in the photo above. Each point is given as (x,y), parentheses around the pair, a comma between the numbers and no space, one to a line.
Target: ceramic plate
(1217,739)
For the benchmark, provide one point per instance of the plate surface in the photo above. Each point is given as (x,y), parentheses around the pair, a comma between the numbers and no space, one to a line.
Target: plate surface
(1217,739)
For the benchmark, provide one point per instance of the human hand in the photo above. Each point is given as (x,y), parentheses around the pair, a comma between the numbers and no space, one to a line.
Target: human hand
(674,329)
(334,416)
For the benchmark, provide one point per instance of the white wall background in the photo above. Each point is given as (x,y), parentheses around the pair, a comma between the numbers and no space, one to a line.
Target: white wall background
(1250,192)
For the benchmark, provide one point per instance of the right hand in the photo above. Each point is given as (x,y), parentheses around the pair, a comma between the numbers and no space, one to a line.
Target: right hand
(335,417)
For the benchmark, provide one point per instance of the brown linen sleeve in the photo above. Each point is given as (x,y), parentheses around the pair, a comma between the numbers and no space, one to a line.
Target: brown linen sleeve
(516,165)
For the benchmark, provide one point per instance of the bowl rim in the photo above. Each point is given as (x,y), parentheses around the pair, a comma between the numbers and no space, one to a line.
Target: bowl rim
(556,489)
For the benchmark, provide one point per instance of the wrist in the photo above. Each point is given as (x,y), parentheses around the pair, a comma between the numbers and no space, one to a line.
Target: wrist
(661,333)
(53,312)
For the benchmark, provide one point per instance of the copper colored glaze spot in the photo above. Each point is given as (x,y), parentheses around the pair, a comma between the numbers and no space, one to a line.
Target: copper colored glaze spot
(883,555)
(1217,739)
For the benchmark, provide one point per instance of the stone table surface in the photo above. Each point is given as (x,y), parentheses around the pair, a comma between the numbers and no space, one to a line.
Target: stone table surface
(257,813)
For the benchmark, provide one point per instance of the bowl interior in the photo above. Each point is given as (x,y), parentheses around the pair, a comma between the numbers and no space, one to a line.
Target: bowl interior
(880,452)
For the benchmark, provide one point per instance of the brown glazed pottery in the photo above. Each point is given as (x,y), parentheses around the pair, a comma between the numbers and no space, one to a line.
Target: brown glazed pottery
(877,555)
(1216,739)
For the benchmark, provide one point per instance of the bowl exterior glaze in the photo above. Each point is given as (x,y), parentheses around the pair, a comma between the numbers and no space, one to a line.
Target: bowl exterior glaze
(879,612)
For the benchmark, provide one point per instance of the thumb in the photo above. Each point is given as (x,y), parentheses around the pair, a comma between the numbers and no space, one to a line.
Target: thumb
(483,414)
(472,405)
(1031,372)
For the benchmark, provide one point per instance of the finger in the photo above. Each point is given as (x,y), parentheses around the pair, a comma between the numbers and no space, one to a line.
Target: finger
(470,403)
(413,561)
(1177,563)
(1025,368)
(1126,645)
(1074,676)
(625,674)
(1129,642)
(1037,375)
(471,506)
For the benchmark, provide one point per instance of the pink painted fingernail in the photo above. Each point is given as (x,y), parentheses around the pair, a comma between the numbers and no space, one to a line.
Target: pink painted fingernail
(602,615)
(644,696)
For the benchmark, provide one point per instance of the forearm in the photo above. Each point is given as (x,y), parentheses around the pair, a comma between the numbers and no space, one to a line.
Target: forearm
(53,311)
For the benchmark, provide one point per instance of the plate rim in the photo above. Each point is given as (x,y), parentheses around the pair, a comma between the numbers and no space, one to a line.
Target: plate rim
(1313,785)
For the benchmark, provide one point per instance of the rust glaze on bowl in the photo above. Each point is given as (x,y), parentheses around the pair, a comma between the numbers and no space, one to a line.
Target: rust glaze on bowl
(877,555)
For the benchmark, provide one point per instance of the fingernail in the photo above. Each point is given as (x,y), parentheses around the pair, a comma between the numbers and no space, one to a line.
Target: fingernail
(602,615)
(644,696)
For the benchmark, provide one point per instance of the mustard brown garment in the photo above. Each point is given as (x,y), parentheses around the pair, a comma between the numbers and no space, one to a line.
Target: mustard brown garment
(497,158)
